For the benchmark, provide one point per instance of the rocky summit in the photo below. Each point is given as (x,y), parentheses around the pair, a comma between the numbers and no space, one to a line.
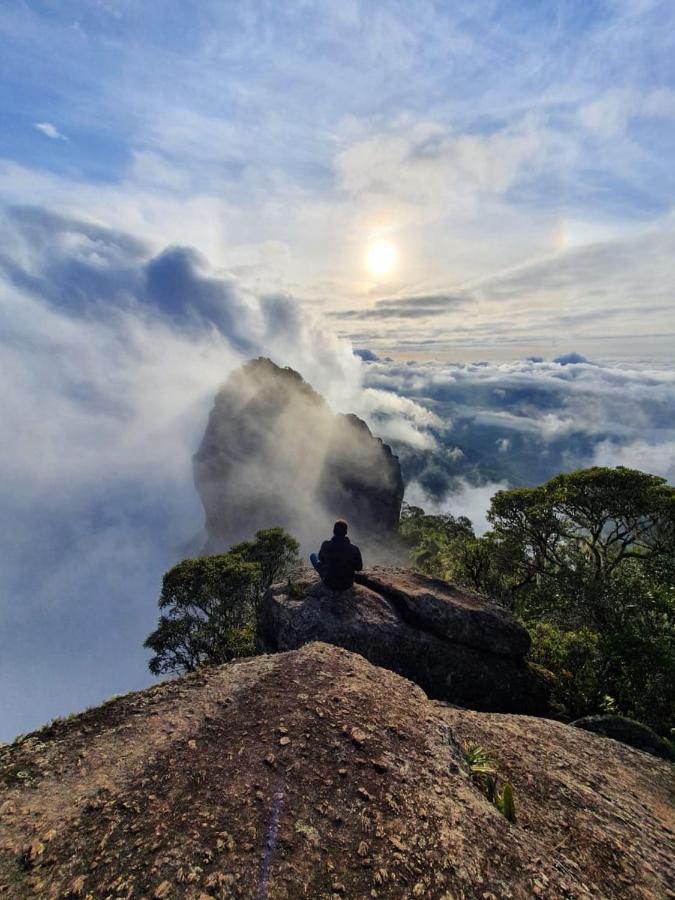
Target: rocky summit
(314,774)
(274,452)
(457,645)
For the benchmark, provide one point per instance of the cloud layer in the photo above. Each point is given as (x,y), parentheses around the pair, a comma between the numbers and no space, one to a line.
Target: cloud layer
(110,357)
(520,423)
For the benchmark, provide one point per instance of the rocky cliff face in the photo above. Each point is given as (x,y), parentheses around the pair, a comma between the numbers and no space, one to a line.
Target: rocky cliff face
(455,644)
(314,774)
(275,454)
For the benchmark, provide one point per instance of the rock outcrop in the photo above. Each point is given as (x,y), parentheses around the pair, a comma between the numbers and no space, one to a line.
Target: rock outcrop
(456,645)
(275,454)
(314,774)
(628,731)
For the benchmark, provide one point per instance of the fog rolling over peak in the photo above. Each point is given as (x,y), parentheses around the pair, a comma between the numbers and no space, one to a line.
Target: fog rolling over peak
(275,454)
(111,353)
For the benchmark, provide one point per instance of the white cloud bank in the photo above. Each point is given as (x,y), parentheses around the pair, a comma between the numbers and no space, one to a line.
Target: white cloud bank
(110,354)
(520,423)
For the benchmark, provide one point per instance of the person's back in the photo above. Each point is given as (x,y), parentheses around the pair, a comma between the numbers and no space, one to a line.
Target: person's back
(338,559)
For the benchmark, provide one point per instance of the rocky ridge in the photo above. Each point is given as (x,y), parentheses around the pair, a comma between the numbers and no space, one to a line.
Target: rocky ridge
(315,774)
(457,645)
(275,453)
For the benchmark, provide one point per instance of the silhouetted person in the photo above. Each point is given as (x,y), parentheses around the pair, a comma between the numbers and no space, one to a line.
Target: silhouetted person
(338,559)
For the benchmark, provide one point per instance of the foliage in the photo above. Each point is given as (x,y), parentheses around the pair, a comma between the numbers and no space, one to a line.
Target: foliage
(274,551)
(434,540)
(579,528)
(209,605)
(505,803)
(587,562)
(574,658)
(484,771)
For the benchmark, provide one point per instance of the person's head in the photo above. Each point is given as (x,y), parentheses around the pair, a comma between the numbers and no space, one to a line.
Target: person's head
(340,528)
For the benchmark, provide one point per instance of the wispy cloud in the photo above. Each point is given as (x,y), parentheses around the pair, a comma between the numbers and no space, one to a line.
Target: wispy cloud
(50,131)
(414,307)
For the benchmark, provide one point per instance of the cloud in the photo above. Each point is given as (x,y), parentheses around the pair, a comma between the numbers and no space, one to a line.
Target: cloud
(414,307)
(609,114)
(657,458)
(425,164)
(467,499)
(111,355)
(587,293)
(365,354)
(520,423)
(570,359)
(51,131)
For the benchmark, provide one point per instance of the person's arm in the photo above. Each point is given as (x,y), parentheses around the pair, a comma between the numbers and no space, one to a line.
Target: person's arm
(322,552)
(358,562)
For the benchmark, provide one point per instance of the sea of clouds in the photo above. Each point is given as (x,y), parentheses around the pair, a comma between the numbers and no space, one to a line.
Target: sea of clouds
(519,423)
(111,352)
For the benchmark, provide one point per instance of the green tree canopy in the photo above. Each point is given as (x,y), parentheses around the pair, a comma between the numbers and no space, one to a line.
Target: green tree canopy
(587,562)
(274,551)
(607,515)
(209,605)
(434,540)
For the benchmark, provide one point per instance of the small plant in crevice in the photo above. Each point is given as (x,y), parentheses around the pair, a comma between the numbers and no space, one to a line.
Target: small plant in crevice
(484,771)
(504,803)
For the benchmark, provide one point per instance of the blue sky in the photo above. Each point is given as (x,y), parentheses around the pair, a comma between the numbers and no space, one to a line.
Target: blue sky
(183,185)
(279,139)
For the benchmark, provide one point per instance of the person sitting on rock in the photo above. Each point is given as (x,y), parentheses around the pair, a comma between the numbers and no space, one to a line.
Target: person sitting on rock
(338,559)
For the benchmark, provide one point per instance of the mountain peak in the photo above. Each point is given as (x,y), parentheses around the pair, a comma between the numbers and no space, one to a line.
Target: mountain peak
(275,454)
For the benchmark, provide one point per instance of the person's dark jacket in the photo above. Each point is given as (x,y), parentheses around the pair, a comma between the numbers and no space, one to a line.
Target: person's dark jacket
(339,560)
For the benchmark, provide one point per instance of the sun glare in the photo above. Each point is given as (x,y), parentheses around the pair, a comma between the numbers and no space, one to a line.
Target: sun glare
(381,257)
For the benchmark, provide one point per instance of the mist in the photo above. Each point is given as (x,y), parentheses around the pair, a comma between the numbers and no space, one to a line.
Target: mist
(111,354)
(112,351)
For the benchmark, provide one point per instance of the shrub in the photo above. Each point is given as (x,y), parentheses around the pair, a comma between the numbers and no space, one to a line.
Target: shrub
(210,605)
(575,660)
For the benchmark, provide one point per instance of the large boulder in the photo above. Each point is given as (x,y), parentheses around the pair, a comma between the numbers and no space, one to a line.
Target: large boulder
(457,646)
(314,774)
(274,454)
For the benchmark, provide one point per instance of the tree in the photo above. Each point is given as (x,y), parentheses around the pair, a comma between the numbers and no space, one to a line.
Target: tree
(434,540)
(211,604)
(208,618)
(274,551)
(579,528)
(587,562)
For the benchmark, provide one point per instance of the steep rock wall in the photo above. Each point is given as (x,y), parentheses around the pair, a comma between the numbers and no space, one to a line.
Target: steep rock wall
(275,454)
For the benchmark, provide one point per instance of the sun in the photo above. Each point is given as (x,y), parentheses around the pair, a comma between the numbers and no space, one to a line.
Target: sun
(381,257)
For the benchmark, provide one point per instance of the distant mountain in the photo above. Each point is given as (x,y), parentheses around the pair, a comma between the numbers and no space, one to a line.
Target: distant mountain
(274,453)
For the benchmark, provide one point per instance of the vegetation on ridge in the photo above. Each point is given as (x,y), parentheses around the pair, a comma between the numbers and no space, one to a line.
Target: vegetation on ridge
(587,562)
(210,605)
